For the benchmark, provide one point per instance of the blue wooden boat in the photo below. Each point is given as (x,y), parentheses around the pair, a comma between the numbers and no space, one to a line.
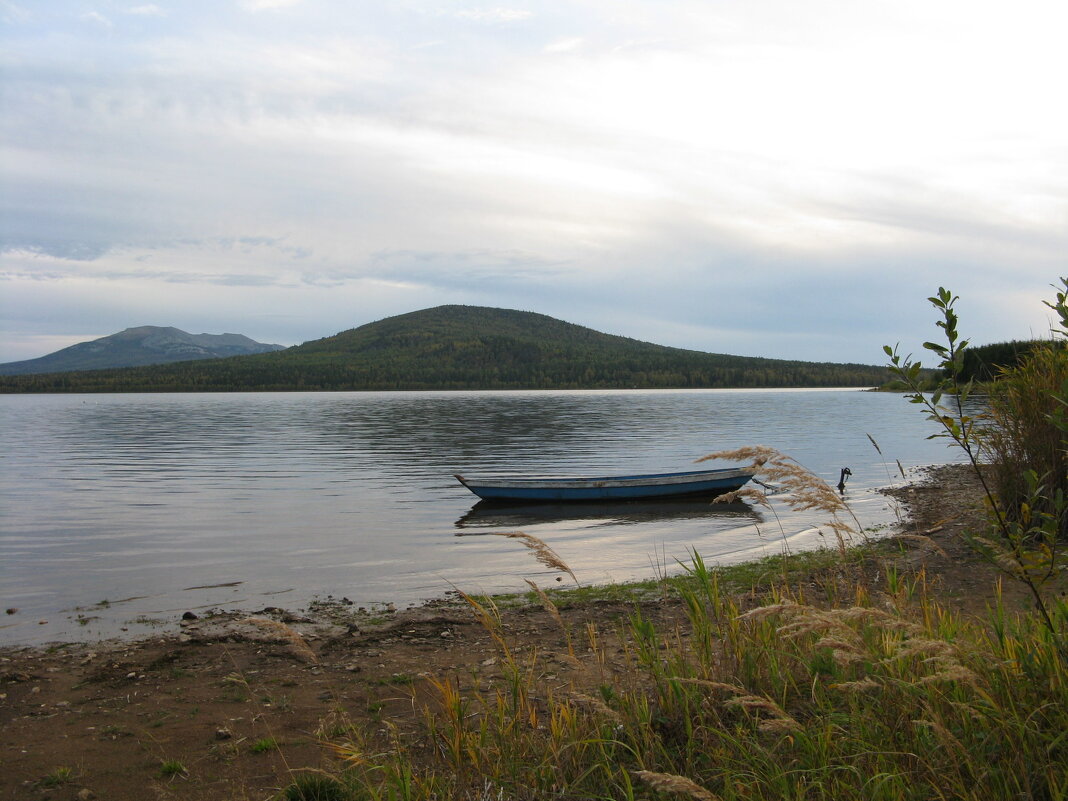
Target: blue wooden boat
(617,488)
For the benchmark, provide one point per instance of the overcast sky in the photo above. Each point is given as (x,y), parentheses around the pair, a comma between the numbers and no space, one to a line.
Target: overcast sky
(758,177)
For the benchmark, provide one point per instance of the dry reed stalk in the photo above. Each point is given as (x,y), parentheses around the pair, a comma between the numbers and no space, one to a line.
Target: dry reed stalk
(1009,562)
(926,648)
(759,497)
(757,455)
(542,552)
(734,689)
(947,737)
(786,725)
(345,751)
(286,635)
(926,542)
(764,612)
(780,720)
(844,651)
(670,783)
(864,685)
(804,489)
(956,672)
(943,658)
(835,628)
(595,704)
(490,619)
(548,605)
(880,618)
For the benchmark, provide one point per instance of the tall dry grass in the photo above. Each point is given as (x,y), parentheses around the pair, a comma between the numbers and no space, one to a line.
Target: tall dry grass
(891,697)
(885,696)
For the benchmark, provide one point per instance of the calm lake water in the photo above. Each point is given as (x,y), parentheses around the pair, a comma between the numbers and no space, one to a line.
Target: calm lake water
(160,504)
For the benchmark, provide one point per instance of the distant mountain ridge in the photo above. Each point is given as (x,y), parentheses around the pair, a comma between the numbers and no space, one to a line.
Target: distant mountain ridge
(138,347)
(459,348)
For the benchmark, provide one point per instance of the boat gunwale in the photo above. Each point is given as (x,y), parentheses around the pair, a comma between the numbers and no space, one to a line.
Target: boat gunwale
(638,480)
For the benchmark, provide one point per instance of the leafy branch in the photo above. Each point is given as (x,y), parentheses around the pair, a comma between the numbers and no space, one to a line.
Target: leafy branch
(1027,548)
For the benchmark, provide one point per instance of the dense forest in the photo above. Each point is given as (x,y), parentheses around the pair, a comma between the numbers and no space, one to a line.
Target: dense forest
(460,347)
(983,363)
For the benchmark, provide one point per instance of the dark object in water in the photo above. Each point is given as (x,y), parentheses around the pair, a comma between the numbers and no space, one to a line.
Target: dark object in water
(846,473)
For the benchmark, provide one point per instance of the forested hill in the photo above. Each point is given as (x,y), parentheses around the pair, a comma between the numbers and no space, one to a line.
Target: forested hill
(137,347)
(461,347)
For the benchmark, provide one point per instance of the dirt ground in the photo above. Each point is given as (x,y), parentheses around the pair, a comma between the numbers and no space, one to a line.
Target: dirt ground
(227,708)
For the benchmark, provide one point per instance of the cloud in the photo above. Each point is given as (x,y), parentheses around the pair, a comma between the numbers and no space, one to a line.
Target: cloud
(97,18)
(758,177)
(494,15)
(565,45)
(150,10)
(266,5)
(12,13)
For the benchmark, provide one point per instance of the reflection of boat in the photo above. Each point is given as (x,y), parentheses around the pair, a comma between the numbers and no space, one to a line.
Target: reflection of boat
(519,514)
(615,488)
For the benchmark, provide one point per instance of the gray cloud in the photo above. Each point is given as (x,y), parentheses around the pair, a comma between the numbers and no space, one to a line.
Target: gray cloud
(751,180)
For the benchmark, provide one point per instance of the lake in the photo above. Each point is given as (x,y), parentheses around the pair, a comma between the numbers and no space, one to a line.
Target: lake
(159,504)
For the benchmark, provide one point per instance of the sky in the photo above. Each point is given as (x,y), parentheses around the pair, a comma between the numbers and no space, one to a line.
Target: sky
(763,178)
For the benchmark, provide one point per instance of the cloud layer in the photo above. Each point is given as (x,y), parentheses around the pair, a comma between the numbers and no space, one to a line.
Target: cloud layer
(773,178)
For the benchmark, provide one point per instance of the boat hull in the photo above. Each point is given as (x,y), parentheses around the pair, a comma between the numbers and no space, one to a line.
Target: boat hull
(619,488)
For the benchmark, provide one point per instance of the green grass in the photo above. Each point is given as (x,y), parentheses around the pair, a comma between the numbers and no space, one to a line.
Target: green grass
(263,745)
(316,787)
(741,577)
(57,777)
(171,768)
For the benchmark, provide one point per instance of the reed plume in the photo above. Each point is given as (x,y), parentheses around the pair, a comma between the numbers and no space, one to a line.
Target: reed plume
(596,705)
(778,719)
(548,605)
(755,495)
(281,633)
(924,542)
(542,552)
(804,490)
(670,783)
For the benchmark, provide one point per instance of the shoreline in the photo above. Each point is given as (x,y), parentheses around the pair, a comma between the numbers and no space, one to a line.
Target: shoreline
(325,613)
(113,711)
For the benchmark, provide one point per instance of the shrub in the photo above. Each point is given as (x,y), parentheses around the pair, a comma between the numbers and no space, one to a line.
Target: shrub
(1029,433)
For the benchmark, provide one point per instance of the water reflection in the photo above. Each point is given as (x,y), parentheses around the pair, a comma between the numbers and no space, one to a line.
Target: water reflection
(497,514)
(246,495)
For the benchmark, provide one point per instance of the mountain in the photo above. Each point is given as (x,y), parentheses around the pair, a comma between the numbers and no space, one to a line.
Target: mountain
(462,347)
(136,347)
